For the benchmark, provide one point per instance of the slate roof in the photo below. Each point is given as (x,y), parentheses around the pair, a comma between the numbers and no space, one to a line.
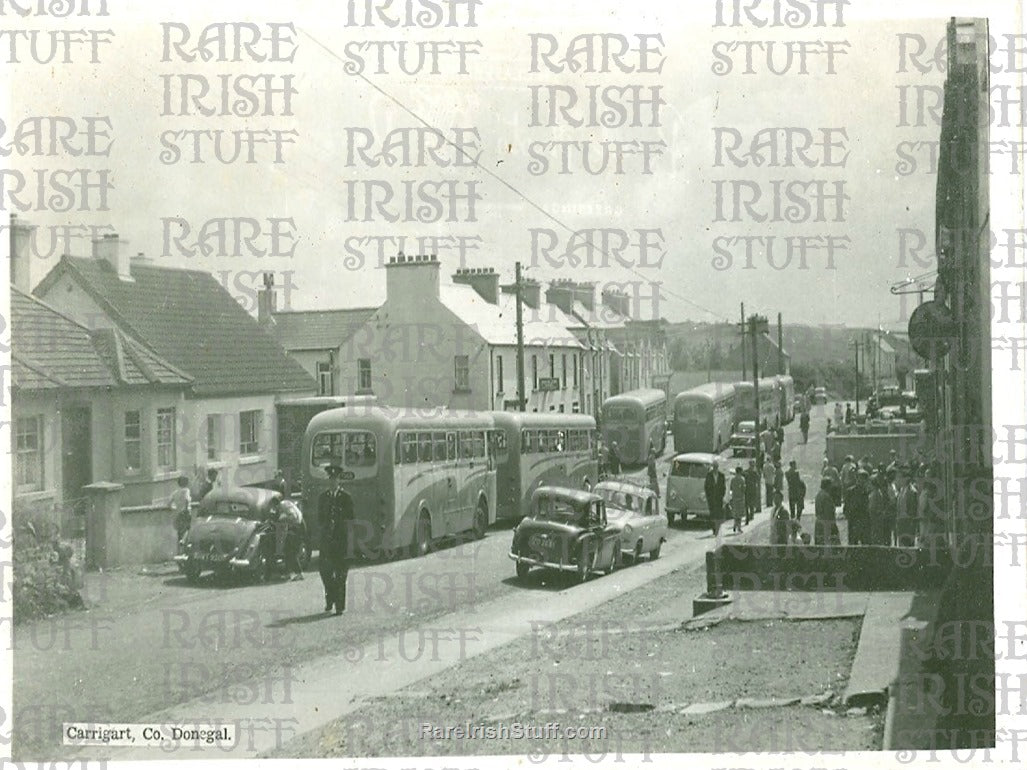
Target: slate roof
(318,329)
(190,319)
(49,350)
(496,323)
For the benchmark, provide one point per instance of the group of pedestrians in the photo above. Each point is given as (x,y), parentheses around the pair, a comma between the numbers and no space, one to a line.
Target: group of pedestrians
(610,463)
(743,501)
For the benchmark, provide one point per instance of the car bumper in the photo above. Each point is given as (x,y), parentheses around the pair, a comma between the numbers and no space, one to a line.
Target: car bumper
(540,563)
(205,562)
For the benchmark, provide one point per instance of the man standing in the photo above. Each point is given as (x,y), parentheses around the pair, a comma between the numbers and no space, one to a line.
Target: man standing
(738,498)
(857,509)
(832,475)
(335,515)
(769,475)
(279,484)
(804,427)
(654,481)
(179,504)
(825,530)
(614,459)
(906,503)
(848,477)
(793,481)
(209,482)
(715,488)
(878,512)
(752,491)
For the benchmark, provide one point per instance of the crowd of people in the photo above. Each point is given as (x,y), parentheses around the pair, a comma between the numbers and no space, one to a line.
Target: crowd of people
(890,504)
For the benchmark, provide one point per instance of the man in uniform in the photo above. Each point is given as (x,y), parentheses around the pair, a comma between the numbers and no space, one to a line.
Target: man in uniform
(335,515)
(715,487)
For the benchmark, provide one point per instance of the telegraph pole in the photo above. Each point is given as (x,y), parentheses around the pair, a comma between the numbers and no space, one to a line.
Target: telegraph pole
(780,347)
(521,401)
(756,324)
(855,345)
(741,330)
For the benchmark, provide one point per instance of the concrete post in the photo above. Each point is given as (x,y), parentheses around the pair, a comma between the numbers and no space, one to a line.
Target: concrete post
(103,524)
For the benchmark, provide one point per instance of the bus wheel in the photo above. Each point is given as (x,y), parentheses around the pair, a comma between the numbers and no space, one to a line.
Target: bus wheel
(422,535)
(481,520)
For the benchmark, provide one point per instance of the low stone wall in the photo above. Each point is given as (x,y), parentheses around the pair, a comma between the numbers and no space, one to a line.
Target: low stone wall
(813,568)
(147,535)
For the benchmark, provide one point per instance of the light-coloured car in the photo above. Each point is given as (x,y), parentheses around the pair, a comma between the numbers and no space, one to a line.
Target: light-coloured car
(634,512)
(820,395)
(686,485)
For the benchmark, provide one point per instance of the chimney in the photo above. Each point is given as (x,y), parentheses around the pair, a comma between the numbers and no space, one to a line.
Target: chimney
(483,280)
(267,300)
(617,301)
(21,238)
(585,293)
(408,278)
(561,294)
(109,248)
(141,259)
(531,293)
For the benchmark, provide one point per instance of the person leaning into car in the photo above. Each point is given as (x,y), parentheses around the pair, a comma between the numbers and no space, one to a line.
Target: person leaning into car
(335,515)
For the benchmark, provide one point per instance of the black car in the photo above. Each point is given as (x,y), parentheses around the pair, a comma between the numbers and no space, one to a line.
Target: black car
(228,534)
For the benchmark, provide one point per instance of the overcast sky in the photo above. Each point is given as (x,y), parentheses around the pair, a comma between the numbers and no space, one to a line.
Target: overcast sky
(678,198)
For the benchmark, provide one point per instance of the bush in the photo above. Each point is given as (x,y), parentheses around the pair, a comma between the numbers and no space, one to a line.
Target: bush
(46,578)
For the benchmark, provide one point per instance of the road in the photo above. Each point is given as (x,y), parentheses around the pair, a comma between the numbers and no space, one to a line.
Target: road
(158,648)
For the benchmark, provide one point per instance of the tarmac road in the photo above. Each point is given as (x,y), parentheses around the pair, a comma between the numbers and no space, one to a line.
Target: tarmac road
(158,648)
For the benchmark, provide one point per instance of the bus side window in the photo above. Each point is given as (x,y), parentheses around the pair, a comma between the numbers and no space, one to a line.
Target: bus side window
(479,443)
(451,446)
(439,446)
(409,448)
(424,447)
(466,449)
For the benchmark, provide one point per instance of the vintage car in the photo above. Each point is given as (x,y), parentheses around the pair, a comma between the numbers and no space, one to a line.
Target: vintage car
(820,395)
(743,440)
(686,485)
(634,511)
(228,531)
(566,529)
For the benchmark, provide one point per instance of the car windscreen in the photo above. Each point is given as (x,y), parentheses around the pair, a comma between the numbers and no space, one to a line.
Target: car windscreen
(689,470)
(232,509)
(619,499)
(556,510)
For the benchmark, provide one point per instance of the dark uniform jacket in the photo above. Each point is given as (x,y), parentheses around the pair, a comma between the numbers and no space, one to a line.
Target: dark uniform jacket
(715,488)
(335,515)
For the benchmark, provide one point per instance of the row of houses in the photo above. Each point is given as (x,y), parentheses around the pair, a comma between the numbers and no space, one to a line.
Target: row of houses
(454,343)
(133,373)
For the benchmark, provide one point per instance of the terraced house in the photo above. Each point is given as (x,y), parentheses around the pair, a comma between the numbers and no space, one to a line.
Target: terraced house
(233,370)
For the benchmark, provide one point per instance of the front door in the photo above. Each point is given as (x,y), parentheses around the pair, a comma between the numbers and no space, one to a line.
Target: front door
(76,466)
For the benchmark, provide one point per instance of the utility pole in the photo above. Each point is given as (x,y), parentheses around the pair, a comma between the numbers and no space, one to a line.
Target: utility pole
(855,344)
(521,401)
(780,347)
(741,331)
(756,324)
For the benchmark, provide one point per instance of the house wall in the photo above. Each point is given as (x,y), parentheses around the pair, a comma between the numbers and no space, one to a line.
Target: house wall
(234,467)
(73,301)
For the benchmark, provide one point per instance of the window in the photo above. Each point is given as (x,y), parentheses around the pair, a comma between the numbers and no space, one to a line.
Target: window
(439,446)
(561,408)
(499,374)
(166,438)
(349,449)
(574,369)
(424,447)
(213,436)
(325,379)
(363,374)
(249,432)
(552,366)
(133,438)
(461,373)
(28,454)
(563,368)
(534,373)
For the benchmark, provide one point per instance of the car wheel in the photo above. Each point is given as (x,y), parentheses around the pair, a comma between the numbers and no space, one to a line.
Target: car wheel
(522,570)
(481,520)
(655,553)
(422,535)
(637,556)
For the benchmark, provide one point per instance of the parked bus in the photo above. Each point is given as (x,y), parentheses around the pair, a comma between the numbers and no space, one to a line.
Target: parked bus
(786,389)
(634,420)
(704,418)
(770,403)
(549,449)
(413,478)
(292,416)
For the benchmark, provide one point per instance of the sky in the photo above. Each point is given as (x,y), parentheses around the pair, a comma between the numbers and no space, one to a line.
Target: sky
(675,205)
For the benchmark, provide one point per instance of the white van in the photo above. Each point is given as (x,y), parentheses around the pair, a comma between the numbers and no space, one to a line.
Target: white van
(686,494)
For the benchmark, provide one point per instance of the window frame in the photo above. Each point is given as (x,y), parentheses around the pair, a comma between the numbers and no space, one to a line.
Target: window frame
(171,445)
(325,376)
(37,455)
(251,447)
(462,374)
(364,375)
(136,442)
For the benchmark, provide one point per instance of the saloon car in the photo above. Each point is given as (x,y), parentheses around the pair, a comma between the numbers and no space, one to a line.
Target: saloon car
(743,440)
(567,530)
(634,511)
(227,533)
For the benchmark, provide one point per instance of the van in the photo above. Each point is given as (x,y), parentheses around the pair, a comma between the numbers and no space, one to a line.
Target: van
(686,482)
